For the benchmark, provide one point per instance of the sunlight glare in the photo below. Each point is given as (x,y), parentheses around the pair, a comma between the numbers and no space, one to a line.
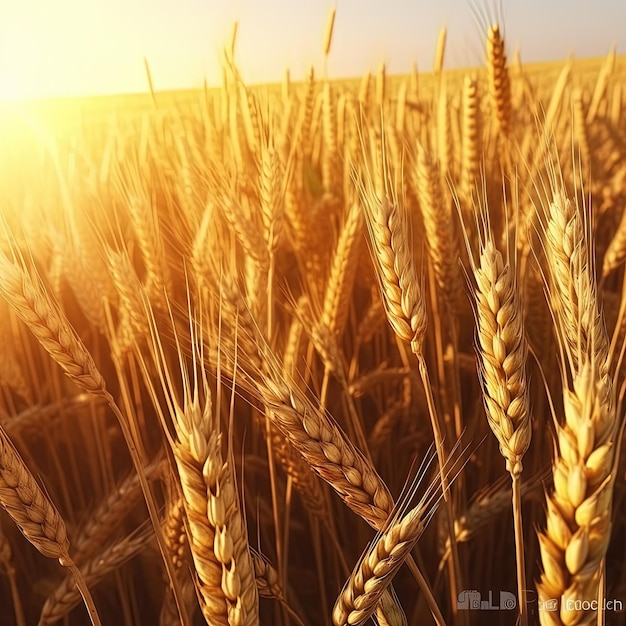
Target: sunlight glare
(9,88)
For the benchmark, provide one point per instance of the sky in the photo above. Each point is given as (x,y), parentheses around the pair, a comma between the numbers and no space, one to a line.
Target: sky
(90,47)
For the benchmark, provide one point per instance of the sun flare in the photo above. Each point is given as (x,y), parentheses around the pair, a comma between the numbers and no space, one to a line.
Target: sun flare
(10,88)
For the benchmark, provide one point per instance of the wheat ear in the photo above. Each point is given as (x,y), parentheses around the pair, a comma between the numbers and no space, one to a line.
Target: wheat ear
(471,136)
(387,612)
(65,597)
(439,229)
(329,452)
(49,325)
(110,512)
(499,82)
(231,541)
(215,524)
(271,196)
(145,221)
(616,251)
(440,51)
(393,259)
(268,583)
(502,351)
(54,332)
(573,291)
(384,557)
(578,519)
(36,516)
(404,302)
(331,455)
(580,124)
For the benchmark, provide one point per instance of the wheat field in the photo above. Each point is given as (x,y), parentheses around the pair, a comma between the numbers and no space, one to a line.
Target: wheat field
(332,352)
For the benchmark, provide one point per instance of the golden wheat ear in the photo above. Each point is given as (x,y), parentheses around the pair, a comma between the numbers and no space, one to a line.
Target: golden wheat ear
(214,520)
(37,518)
(65,597)
(502,351)
(32,304)
(366,591)
(574,543)
(436,208)
(499,81)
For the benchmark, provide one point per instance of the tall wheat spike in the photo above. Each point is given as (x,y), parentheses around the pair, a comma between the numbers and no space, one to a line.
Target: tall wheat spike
(382,559)
(578,522)
(499,82)
(440,51)
(502,351)
(471,136)
(36,517)
(441,240)
(216,528)
(31,304)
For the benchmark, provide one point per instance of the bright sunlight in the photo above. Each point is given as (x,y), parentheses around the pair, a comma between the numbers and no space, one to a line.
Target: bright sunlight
(75,48)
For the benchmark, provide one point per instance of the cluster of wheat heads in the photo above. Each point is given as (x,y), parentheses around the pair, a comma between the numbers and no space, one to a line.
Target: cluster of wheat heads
(234,325)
